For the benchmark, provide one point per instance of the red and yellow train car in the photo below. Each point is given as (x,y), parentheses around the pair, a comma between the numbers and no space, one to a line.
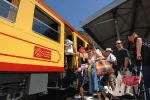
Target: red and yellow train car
(32,37)
(32,41)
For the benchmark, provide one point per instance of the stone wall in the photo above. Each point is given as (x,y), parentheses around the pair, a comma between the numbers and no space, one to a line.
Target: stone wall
(91,41)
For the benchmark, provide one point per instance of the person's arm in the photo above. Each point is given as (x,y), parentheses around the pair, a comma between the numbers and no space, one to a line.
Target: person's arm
(138,48)
(74,54)
(99,56)
(126,62)
(70,43)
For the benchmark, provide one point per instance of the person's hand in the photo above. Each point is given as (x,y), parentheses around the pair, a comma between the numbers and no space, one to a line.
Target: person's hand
(70,53)
(65,45)
(115,63)
(138,56)
(123,72)
(93,61)
(79,69)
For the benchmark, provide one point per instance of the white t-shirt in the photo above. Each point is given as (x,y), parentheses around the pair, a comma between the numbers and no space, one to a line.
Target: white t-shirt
(68,48)
(111,57)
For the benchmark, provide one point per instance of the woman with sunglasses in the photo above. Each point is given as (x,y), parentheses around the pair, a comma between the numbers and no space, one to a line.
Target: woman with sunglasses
(95,82)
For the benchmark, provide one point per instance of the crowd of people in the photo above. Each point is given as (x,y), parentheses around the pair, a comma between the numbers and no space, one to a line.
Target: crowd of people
(120,62)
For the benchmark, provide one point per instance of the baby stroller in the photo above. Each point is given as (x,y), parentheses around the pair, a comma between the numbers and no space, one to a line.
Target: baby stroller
(129,86)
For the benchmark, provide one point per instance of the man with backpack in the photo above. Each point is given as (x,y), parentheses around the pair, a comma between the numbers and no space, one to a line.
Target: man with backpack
(110,78)
(142,55)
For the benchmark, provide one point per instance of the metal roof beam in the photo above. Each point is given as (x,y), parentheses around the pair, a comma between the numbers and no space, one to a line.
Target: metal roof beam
(143,18)
(114,12)
(105,21)
(101,12)
(115,36)
(125,21)
(145,12)
(134,16)
(142,28)
(147,33)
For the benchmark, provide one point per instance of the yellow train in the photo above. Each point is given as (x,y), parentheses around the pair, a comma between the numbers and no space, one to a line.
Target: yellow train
(32,46)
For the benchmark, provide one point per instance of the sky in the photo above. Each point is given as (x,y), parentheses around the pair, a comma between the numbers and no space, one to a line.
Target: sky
(74,11)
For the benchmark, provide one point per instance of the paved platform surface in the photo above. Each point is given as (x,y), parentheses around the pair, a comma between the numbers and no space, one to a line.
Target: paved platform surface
(86,97)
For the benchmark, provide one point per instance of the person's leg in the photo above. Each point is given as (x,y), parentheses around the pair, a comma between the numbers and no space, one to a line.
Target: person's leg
(112,80)
(77,82)
(82,92)
(99,95)
(102,90)
(105,96)
(69,63)
(80,81)
(106,80)
(146,77)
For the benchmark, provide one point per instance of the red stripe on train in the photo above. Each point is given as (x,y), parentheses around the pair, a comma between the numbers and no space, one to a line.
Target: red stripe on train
(15,67)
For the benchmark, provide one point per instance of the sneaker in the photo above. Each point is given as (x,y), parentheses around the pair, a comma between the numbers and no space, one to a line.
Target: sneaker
(77,96)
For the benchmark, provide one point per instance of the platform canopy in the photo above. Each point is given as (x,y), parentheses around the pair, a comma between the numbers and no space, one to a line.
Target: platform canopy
(118,19)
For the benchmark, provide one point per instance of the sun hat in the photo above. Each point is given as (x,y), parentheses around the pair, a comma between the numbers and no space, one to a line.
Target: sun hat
(109,49)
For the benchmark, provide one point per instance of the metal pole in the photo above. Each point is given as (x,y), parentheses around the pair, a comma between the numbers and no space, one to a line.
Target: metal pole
(117,29)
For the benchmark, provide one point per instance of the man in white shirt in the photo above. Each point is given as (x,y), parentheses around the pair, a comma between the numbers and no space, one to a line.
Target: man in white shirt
(69,48)
(110,57)
(111,78)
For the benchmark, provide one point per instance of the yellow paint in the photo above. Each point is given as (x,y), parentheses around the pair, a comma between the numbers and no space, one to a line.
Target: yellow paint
(16,2)
(19,39)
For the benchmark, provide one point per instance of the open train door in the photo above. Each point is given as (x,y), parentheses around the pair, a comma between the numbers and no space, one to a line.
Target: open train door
(118,19)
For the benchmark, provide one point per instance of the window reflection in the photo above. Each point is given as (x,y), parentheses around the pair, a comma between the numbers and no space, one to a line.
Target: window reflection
(8,10)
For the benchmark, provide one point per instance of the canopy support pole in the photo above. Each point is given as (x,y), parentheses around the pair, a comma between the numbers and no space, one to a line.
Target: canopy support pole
(117,29)
(116,23)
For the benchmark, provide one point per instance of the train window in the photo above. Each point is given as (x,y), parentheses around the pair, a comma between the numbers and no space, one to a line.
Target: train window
(8,9)
(45,25)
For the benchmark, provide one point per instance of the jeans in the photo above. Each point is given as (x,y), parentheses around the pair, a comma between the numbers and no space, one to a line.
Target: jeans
(95,83)
(146,78)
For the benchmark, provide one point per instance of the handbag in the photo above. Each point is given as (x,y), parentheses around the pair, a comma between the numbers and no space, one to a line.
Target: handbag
(130,80)
(103,67)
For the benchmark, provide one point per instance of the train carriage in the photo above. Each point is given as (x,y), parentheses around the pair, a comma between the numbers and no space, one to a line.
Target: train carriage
(32,46)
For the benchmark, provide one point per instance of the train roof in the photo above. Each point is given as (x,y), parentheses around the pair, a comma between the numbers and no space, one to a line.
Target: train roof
(60,18)
(122,15)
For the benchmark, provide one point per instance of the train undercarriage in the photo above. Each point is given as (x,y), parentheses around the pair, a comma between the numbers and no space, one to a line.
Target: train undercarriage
(31,86)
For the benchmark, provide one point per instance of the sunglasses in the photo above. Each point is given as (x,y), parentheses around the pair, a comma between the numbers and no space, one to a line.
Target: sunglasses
(118,43)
